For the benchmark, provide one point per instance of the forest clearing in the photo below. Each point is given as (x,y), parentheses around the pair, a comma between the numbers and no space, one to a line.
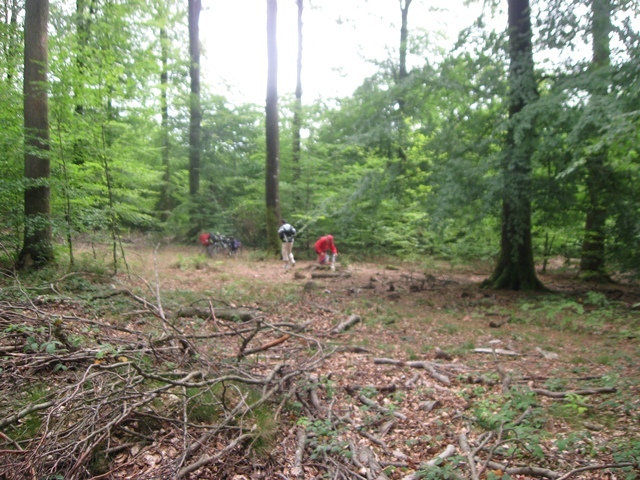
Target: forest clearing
(482,321)
(235,368)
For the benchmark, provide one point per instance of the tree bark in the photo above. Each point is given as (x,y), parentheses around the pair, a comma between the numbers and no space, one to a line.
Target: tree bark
(195,118)
(272,182)
(515,269)
(599,176)
(11,47)
(165,202)
(403,74)
(37,248)
(297,111)
(404,39)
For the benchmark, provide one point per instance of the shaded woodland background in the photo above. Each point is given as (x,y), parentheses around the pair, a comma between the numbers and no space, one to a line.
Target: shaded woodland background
(482,321)
(416,162)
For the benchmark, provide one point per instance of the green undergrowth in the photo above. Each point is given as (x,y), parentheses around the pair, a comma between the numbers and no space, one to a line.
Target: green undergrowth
(588,313)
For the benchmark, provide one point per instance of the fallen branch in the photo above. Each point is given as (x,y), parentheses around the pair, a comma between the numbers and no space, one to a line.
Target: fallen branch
(528,471)
(466,449)
(267,346)
(330,275)
(352,389)
(380,408)
(596,467)
(586,391)
(350,322)
(205,460)
(446,453)
(498,351)
(23,413)
(297,470)
(231,314)
(425,365)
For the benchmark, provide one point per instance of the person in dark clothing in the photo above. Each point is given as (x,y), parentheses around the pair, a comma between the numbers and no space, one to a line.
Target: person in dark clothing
(287,234)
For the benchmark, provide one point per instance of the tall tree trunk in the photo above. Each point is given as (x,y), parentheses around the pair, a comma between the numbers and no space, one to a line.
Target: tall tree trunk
(599,176)
(11,45)
(37,249)
(515,269)
(195,120)
(297,113)
(402,76)
(83,33)
(85,10)
(165,202)
(404,39)
(272,182)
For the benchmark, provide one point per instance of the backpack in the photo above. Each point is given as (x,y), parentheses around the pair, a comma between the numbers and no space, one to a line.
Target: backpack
(287,234)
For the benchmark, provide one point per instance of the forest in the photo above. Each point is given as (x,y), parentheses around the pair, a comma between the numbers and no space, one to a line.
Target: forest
(416,162)
(482,321)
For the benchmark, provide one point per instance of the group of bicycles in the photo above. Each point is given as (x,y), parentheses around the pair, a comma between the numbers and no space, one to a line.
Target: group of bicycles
(217,244)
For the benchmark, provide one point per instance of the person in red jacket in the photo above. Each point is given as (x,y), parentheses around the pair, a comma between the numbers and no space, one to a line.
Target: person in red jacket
(323,245)
(205,239)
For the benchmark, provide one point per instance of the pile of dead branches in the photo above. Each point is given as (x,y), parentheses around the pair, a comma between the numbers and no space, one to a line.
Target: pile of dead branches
(78,391)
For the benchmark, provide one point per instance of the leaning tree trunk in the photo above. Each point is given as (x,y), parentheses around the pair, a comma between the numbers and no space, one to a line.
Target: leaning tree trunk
(272,131)
(195,120)
(599,176)
(37,249)
(515,269)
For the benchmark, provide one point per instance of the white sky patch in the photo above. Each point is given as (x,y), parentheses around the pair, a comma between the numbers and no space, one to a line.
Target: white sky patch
(340,38)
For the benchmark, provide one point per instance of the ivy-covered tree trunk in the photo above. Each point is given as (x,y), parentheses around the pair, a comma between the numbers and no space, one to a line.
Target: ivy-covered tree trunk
(515,269)
(195,119)
(599,175)
(272,182)
(37,249)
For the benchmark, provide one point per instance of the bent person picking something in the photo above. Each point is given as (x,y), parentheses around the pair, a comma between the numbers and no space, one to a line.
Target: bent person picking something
(323,245)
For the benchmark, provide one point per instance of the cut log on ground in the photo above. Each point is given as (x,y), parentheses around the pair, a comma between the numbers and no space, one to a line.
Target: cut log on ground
(587,391)
(233,314)
(348,323)
(330,275)
(497,351)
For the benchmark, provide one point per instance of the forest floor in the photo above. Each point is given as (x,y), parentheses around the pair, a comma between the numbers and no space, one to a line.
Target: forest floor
(427,363)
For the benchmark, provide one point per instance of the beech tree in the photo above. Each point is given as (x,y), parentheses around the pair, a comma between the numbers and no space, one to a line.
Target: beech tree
(37,249)
(297,109)
(515,269)
(403,75)
(166,201)
(11,119)
(272,180)
(599,174)
(195,119)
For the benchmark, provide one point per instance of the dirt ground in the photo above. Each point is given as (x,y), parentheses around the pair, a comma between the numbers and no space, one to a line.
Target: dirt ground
(429,359)
(412,313)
